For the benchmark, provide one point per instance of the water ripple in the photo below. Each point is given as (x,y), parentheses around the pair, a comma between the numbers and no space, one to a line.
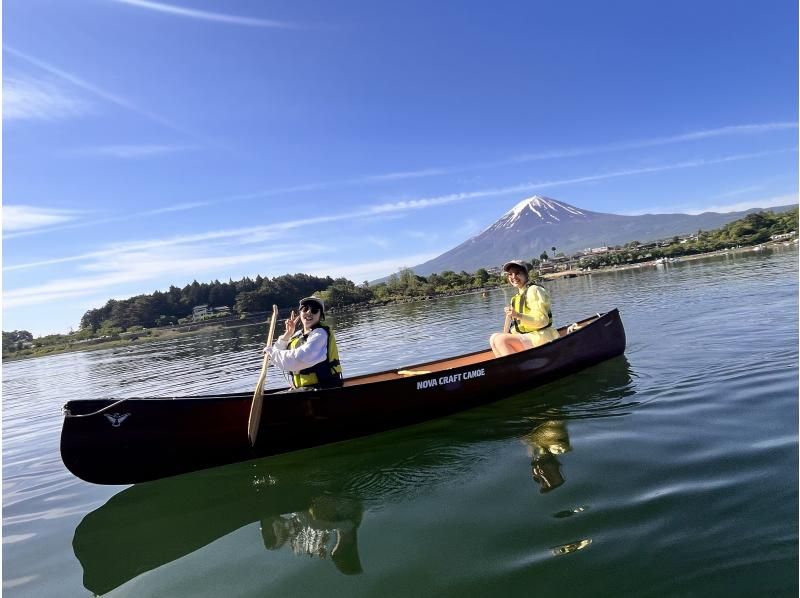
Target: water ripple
(678,462)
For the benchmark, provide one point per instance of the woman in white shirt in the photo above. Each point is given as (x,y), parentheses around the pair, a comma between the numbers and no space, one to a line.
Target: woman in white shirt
(310,355)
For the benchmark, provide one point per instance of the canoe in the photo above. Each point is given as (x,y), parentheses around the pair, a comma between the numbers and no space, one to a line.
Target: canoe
(132,440)
(292,497)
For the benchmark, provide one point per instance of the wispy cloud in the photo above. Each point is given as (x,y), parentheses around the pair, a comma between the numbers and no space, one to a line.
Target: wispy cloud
(394,176)
(708,205)
(389,208)
(121,249)
(764,202)
(126,268)
(22,217)
(129,151)
(369,270)
(94,90)
(740,191)
(416,234)
(381,242)
(203,15)
(136,268)
(116,268)
(749,129)
(37,99)
(419,204)
(175,208)
(468,228)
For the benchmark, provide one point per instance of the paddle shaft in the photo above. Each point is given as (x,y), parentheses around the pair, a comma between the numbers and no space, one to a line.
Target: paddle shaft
(507,323)
(254,421)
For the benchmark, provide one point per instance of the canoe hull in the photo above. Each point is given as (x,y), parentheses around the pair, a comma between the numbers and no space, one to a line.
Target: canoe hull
(135,440)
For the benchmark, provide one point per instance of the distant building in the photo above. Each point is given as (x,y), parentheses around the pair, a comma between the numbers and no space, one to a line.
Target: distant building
(201,311)
(547,268)
(784,236)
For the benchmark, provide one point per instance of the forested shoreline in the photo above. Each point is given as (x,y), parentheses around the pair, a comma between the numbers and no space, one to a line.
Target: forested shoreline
(119,320)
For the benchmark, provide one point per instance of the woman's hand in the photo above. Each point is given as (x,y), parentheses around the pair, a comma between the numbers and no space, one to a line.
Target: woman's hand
(291,325)
(511,313)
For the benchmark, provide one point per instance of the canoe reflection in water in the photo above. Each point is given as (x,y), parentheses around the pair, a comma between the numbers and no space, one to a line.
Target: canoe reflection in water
(313,503)
(150,524)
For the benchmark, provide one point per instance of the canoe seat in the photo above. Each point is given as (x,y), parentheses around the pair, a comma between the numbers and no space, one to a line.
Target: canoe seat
(412,372)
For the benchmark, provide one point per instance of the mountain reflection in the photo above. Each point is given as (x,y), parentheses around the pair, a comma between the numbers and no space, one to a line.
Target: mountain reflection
(312,503)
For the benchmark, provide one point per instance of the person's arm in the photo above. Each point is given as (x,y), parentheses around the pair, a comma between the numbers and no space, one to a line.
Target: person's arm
(313,351)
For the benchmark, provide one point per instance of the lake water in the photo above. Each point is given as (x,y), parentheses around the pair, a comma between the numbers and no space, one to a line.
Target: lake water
(671,471)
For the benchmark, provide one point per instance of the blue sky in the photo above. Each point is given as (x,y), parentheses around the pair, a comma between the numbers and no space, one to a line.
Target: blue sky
(153,143)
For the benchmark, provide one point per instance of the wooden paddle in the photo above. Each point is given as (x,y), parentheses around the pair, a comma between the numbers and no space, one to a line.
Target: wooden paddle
(258,396)
(507,322)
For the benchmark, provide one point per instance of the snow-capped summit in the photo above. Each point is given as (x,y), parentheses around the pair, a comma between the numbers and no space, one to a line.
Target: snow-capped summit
(538,209)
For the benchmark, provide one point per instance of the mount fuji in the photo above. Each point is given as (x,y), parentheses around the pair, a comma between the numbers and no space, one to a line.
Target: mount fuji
(538,223)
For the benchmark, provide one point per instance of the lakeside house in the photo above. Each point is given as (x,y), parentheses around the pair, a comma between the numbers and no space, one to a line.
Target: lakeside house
(201,312)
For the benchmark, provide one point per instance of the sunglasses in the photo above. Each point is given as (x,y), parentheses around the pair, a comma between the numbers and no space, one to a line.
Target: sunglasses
(314,309)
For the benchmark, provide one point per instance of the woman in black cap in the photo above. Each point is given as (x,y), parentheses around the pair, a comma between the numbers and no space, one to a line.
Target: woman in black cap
(310,355)
(529,314)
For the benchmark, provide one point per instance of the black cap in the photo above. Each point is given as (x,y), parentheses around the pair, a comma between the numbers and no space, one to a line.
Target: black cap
(315,301)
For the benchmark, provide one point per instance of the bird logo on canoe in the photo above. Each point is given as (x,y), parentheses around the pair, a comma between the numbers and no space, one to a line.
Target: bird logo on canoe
(116,419)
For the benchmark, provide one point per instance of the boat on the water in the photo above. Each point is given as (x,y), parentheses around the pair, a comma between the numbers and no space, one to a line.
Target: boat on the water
(131,440)
(312,508)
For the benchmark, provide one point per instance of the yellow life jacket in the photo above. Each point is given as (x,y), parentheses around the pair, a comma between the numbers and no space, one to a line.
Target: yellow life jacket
(520,304)
(326,373)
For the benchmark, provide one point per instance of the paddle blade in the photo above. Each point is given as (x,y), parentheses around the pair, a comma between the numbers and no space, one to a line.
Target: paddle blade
(254,421)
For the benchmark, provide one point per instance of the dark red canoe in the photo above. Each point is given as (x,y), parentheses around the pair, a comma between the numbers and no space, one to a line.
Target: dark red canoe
(126,441)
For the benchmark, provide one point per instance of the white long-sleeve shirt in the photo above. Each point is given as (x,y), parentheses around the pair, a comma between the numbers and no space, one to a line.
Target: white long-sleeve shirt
(313,351)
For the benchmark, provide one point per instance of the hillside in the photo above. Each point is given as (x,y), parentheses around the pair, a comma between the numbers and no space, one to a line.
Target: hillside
(538,223)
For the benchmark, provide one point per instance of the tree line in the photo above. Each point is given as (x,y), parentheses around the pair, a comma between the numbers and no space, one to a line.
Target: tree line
(249,296)
(753,229)
(253,296)
(176,304)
